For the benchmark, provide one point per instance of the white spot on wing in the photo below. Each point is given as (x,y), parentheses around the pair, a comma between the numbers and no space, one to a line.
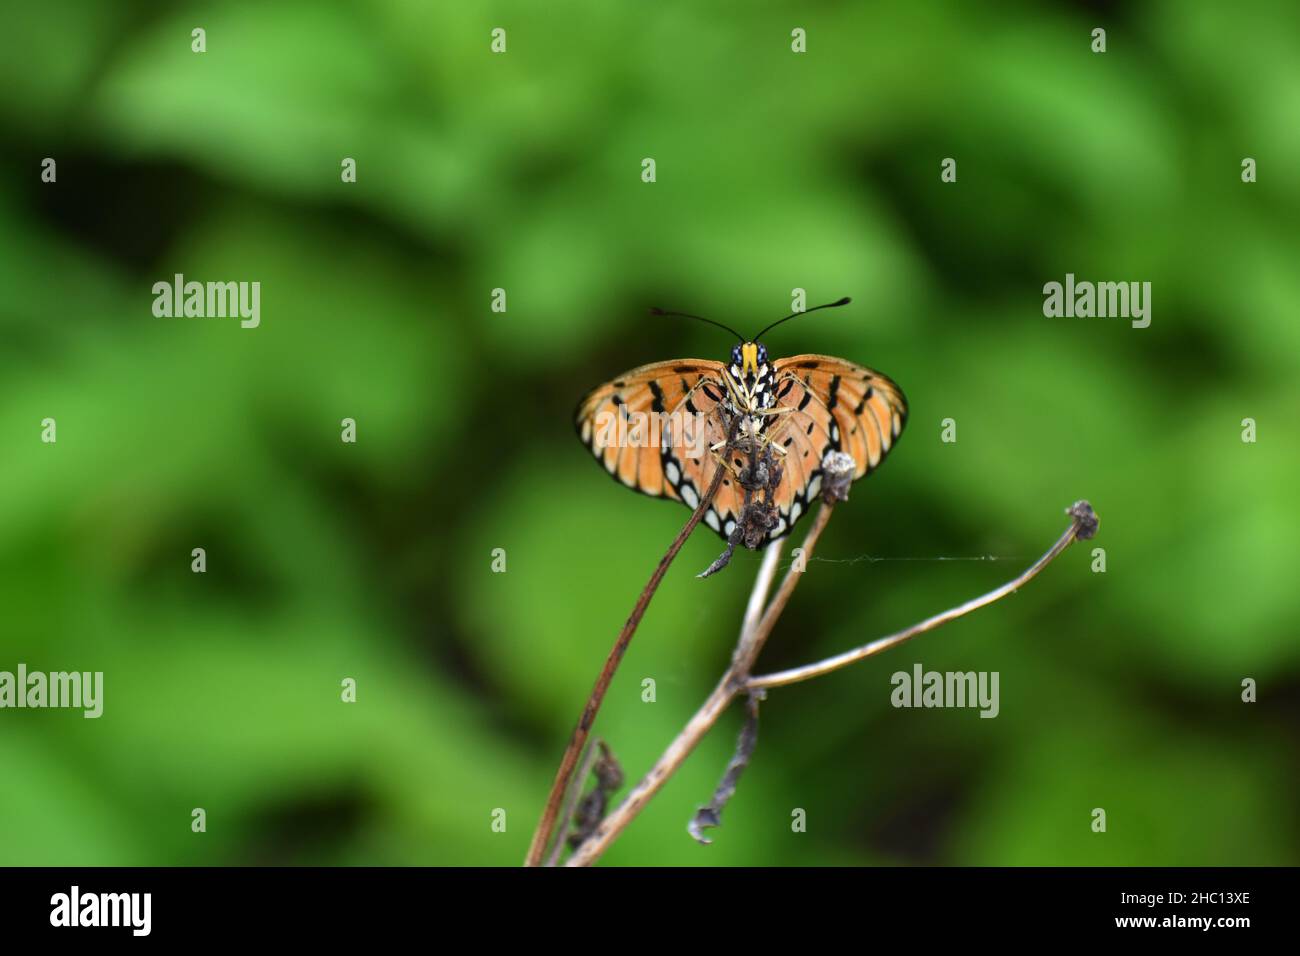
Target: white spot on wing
(689,496)
(673,472)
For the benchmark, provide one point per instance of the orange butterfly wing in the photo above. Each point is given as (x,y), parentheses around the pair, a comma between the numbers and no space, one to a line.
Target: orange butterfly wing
(651,429)
(833,405)
(862,411)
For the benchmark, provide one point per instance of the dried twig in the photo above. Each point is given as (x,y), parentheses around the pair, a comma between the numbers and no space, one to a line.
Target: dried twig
(711,815)
(609,778)
(572,793)
(546,826)
(759,479)
(762,585)
(747,649)
(1083,525)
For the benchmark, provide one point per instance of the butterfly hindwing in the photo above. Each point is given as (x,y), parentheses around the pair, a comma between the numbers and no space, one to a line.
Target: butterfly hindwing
(801,435)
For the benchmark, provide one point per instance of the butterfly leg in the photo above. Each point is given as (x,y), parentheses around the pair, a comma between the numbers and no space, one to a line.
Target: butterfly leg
(723,462)
(782,410)
(768,438)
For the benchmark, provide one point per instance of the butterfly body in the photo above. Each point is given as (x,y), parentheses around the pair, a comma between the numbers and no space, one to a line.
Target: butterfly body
(751,382)
(663,429)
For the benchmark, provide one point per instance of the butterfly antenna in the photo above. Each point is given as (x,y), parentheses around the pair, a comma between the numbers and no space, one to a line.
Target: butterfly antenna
(829,305)
(700,318)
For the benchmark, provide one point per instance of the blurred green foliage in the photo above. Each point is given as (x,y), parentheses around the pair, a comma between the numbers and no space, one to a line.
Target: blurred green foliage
(522,171)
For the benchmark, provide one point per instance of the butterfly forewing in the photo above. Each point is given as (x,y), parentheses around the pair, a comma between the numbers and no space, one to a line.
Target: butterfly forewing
(861,411)
(652,428)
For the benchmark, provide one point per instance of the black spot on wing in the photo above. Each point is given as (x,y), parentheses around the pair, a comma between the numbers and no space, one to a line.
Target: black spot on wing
(866,397)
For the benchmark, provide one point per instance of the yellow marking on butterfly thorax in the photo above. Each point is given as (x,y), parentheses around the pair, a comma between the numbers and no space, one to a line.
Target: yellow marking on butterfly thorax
(749,358)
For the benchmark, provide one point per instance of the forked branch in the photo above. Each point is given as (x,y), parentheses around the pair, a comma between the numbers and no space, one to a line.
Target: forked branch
(578,739)
(736,681)
(1083,526)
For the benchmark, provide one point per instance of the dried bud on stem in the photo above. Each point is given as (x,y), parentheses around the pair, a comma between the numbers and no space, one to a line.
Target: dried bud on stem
(838,469)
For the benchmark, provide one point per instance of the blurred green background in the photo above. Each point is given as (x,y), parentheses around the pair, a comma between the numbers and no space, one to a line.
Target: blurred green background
(522,171)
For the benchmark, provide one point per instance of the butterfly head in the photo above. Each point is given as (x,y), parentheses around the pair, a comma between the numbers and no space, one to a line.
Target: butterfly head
(748,359)
(750,379)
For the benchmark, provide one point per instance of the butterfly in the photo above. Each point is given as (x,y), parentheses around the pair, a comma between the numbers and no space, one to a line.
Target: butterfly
(660,429)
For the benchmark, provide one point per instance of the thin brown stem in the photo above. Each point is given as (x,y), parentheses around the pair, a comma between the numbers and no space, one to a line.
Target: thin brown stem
(809,671)
(667,765)
(751,642)
(578,739)
(762,585)
(748,650)
(573,794)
